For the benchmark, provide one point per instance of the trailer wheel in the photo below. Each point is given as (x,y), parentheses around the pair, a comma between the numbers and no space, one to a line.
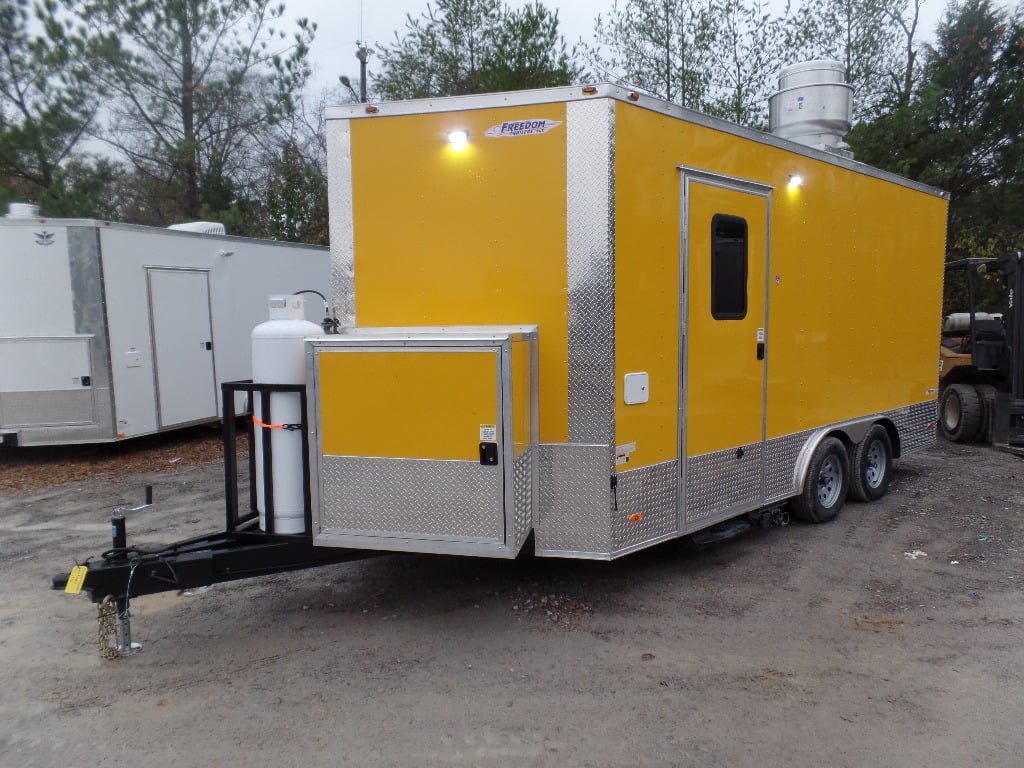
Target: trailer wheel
(961,413)
(871,465)
(826,484)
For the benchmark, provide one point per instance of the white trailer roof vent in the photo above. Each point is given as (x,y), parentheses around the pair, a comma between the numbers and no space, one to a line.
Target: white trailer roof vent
(813,105)
(203,227)
(22,211)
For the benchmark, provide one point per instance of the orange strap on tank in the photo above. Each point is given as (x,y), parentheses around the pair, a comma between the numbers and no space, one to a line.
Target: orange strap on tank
(288,427)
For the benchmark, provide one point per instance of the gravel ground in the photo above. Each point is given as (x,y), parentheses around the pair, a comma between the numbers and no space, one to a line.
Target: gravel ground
(891,636)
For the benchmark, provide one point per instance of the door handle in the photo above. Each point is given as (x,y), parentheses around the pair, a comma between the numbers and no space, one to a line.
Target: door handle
(760,350)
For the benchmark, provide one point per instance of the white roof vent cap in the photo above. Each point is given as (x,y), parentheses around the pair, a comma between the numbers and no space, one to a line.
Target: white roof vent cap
(202,227)
(22,211)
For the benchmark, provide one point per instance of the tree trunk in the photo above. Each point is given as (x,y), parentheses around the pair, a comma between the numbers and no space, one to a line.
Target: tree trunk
(188,151)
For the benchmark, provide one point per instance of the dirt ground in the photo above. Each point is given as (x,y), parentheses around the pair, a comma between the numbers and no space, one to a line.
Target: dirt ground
(890,637)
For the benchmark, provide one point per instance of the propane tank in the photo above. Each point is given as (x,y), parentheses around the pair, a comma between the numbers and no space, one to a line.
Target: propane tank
(278,357)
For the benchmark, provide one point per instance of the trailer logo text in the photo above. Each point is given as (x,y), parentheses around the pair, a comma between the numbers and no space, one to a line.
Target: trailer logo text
(521,128)
(45,238)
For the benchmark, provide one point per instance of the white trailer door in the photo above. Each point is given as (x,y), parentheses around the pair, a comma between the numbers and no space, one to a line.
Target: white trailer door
(179,310)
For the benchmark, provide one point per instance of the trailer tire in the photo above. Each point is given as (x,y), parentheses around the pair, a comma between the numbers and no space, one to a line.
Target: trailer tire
(961,413)
(826,484)
(871,465)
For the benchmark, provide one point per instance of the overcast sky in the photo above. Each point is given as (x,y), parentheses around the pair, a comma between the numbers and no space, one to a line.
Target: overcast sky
(340,23)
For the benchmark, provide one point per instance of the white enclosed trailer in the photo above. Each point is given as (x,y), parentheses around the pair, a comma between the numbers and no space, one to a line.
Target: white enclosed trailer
(111,331)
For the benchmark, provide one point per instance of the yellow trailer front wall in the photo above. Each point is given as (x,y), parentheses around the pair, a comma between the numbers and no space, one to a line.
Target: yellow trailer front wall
(407,404)
(476,237)
(854,282)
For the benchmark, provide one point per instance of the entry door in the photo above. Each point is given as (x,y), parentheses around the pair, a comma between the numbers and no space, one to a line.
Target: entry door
(179,306)
(724,340)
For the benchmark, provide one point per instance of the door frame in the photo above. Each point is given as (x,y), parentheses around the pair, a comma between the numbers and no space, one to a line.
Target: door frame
(690,175)
(153,329)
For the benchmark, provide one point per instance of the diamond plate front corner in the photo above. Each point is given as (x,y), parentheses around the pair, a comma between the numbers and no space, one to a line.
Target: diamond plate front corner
(575,500)
(342,219)
(590,237)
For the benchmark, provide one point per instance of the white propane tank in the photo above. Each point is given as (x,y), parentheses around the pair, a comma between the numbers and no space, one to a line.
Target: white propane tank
(278,357)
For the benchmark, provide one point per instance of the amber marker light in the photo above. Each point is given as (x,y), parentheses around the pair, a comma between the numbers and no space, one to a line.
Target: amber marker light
(634,96)
(636,517)
(372,110)
(590,90)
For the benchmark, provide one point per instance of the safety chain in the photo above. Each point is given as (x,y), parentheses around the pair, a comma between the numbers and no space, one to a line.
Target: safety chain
(107,629)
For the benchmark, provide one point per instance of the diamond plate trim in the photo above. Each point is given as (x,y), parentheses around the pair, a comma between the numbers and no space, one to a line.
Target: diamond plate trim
(523,495)
(448,500)
(781,454)
(719,482)
(650,491)
(342,220)
(575,499)
(915,425)
(590,235)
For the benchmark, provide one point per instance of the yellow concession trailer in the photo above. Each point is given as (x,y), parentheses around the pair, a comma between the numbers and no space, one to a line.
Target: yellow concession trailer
(599,318)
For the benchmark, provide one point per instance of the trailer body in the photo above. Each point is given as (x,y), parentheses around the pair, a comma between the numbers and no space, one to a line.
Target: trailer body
(111,331)
(698,324)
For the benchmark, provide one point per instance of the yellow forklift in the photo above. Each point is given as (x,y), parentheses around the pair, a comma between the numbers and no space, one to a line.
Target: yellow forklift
(981,359)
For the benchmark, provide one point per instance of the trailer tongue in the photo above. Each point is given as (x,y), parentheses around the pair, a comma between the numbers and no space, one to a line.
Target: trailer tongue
(242,550)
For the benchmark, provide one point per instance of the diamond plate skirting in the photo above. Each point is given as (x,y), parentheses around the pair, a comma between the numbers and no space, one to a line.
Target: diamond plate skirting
(522,497)
(916,426)
(648,491)
(575,500)
(447,500)
(590,236)
(342,220)
(780,464)
(719,482)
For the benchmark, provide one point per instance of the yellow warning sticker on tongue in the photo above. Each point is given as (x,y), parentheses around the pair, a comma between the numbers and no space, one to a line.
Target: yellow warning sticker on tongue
(76,579)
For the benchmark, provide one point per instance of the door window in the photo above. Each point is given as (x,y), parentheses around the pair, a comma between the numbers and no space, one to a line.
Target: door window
(728,267)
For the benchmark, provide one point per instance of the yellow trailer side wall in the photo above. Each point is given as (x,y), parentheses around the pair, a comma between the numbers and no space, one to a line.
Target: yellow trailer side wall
(854,282)
(476,237)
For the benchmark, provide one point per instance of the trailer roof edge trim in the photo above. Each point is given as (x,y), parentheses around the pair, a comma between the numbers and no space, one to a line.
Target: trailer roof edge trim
(39,221)
(618,93)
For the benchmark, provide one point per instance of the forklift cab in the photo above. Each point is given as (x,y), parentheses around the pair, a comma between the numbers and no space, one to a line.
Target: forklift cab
(982,355)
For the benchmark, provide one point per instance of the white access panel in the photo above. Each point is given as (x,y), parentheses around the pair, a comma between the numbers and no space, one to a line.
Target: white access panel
(179,305)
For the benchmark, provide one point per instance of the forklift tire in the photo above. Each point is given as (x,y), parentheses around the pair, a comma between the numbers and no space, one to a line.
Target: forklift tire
(987,394)
(871,465)
(826,484)
(961,413)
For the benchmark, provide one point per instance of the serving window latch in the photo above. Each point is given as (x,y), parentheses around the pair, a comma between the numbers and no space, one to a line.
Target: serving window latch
(489,454)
